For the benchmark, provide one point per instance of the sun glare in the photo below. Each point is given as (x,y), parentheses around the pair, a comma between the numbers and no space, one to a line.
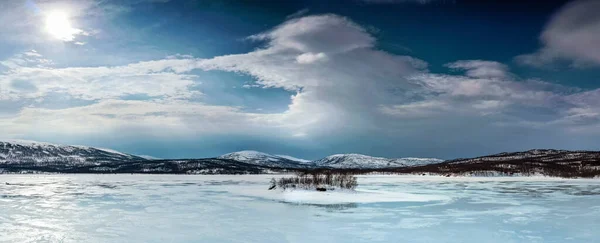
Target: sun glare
(59,26)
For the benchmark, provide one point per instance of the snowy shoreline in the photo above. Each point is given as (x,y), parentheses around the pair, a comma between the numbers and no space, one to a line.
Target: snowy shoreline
(277,175)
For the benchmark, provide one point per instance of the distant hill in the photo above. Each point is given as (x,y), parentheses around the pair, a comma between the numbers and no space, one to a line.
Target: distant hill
(338,161)
(18,156)
(548,162)
(22,152)
(359,161)
(263,159)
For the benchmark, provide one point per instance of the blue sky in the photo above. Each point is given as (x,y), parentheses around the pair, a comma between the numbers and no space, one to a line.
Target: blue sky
(394,78)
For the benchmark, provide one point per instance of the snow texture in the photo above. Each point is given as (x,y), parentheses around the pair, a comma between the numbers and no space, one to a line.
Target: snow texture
(346,161)
(218,208)
(263,159)
(40,153)
(364,162)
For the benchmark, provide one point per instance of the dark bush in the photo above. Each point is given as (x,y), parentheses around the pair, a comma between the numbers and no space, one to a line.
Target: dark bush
(314,180)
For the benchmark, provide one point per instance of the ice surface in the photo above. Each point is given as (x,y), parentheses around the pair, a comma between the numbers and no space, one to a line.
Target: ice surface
(179,208)
(336,197)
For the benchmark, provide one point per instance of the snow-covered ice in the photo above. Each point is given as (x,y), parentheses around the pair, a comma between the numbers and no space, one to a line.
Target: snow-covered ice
(337,197)
(220,208)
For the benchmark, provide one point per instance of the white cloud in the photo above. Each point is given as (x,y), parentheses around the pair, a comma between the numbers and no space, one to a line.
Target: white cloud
(26,22)
(29,58)
(249,86)
(417,109)
(171,103)
(572,34)
(298,13)
(481,69)
(343,85)
(38,22)
(494,94)
(160,118)
(361,88)
(341,92)
(162,78)
(316,34)
(307,58)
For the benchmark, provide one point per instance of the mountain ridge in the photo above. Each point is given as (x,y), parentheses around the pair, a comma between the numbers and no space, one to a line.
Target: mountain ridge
(354,160)
(22,156)
(264,159)
(33,152)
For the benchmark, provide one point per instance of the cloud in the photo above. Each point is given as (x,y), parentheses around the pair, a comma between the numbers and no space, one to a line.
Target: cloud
(359,88)
(29,58)
(572,34)
(307,58)
(37,22)
(163,78)
(316,34)
(298,13)
(344,89)
(481,69)
(25,22)
(584,115)
(341,92)
(177,117)
(94,97)
(447,96)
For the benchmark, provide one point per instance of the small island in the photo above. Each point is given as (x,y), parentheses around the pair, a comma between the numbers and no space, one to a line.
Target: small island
(319,181)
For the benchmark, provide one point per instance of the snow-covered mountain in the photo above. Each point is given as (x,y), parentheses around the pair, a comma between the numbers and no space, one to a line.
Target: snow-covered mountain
(293,158)
(547,162)
(19,156)
(22,155)
(539,155)
(342,161)
(148,157)
(25,152)
(264,159)
(360,161)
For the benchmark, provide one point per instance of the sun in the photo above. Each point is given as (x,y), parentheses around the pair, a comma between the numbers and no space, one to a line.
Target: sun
(59,26)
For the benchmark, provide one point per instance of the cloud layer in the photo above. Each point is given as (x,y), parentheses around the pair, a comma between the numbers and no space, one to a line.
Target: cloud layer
(345,89)
(572,34)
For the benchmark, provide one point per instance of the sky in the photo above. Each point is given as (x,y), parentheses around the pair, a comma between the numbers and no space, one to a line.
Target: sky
(391,78)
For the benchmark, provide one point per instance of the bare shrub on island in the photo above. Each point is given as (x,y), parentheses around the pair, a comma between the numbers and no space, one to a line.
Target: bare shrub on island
(321,181)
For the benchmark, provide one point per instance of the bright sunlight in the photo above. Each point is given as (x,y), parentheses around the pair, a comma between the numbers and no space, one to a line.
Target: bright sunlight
(59,26)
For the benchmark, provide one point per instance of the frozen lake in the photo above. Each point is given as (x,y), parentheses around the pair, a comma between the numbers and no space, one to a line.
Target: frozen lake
(183,208)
